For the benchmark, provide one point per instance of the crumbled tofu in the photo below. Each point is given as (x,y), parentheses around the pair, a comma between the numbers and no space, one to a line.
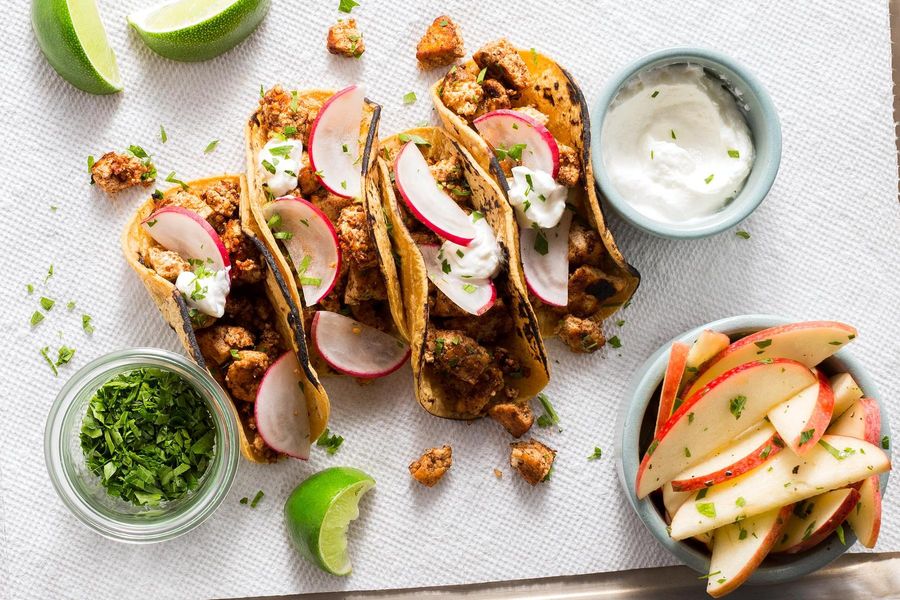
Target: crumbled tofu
(115,172)
(217,342)
(167,264)
(580,335)
(569,166)
(441,45)
(502,60)
(460,91)
(517,418)
(356,240)
(585,246)
(279,109)
(495,97)
(532,459)
(345,39)
(245,374)
(431,466)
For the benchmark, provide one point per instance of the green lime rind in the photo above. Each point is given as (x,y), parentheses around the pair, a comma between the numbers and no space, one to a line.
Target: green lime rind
(207,39)
(318,512)
(59,41)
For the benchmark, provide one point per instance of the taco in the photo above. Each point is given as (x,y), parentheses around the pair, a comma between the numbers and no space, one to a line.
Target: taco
(476,344)
(313,189)
(195,247)
(524,119)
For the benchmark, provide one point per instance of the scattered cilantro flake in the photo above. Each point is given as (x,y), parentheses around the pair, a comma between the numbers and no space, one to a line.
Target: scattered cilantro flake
(742,535)
(346,6)
(30,288)
(550,417)
(90,162)
(469,288)
(172,179)
(740,502)
(615,342)
(50,362)
(805,436)
(672,133)
(763,343)
(211,146)
(36,317)
(481,75)
(886,442)
(416,139)
(283,235)
(708,575)
(708,179)
(514,152)
(597,454)
(163,137)
(331,442)
(86,324)
(274,221)
(47,303)
(654,94)
(840,534)
(259,496)
(53,208)
(244,500)
(477,216)
(235,354)
(534,56)
(620,322)
(838,454)
(49,274)
(707,509)
(736,406)
(64,355)
(734,153)
(409,98)
(742,234)
(70,305)
(541,246)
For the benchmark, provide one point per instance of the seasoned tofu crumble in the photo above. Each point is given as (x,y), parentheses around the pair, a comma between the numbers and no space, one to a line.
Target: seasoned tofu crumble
(429,468)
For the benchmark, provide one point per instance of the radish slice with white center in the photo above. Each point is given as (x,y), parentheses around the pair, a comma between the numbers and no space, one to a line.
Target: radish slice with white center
(475,296)
(334,152)
(504,129)
(187,234)
(425,198)
(545,260)
(280,408)
(311,242)
(356,349)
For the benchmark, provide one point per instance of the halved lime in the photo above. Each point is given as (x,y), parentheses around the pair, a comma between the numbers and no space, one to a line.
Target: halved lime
(318,513)
(195,30)
(72,38)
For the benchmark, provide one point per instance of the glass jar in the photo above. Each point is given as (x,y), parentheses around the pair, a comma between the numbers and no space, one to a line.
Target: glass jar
(82,491)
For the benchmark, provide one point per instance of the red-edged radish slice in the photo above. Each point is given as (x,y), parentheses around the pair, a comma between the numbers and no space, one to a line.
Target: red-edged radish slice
(334,149)
(545,260)
(356,349)
(425,198)
(475,296)
(505,128)
(280,408)
(187,234)
(312,245)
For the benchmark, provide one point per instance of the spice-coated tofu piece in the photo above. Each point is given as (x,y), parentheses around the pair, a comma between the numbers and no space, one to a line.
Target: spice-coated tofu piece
(345,39)
(279,109)
(357,243)
(455,354)
(515,417)
(245,374)
(431,466)
(223,199)
(188,200)
(495,97)
(246,265)
(460,91)
(167,264)
(487,328)
(115,172)
(217,342)
(580,335)
(569,166)
(589,287)
(472,399)
(441,45)
(502,60)
(364,285)
(585,246)
(446,170)
(308,181)
(532,459)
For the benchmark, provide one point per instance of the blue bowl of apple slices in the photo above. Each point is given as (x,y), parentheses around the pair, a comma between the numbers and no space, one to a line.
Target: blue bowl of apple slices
(753,450)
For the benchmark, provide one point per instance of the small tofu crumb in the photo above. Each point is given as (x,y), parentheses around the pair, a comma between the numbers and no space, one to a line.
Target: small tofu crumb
(441,45)
(115,172)
(431,466)
(532,459)
(345,39)
(498,473)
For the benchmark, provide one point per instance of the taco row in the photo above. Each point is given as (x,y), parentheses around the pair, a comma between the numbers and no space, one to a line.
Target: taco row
(342,254)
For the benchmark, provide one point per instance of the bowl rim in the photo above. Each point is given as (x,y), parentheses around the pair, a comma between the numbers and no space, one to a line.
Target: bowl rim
(631,414)
(766,164)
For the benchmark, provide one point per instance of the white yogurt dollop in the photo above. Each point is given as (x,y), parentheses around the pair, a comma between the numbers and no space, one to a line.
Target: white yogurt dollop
(675,144)
(207,293)
(279,164)
(479,260)
(537,198)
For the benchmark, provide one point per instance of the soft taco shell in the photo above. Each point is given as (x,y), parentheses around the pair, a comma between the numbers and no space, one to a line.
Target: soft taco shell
(135,246)
(525,342)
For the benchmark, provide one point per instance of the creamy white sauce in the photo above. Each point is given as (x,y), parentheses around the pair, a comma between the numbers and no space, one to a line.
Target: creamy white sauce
(283,157)
(675,144)
(536,197)
(479,260)
(207,293)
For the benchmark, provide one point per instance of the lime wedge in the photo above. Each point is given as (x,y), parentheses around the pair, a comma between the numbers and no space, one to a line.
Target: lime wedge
(318,513)
(195,30)
(73,40)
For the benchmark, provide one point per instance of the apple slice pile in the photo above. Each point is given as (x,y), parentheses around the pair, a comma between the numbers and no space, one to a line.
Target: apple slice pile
(356,349)
(187,234)
(334,148)
(757,450)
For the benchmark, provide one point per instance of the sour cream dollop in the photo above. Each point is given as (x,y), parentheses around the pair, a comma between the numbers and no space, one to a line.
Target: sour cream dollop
(206,292)
(279,164)
(537,198)
(675,144)
(479,260)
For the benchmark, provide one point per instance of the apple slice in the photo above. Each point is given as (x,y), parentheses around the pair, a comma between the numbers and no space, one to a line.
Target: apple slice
(672,500)
(545,260)
(504,129)
(334,148)
(280,408)
(753,448)
(809,343)
(187,234)
(739,548)
(356,349)
(475,296)
(865,519)
(427,200)
(846,392)
(834,462)
(862,421)
(801,420)
(311,242)
(815,519)
(717,414)
(671,381)
(707,345)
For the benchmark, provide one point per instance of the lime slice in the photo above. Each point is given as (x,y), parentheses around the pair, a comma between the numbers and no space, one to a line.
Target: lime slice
(194,30)
(318,513)
(72,38)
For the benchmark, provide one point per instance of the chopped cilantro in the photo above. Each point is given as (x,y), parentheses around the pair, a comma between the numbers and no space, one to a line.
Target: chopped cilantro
(736,405)
(346,6)
(734,153)
(481,75)
(162,134)
(742,234)
(596,454)
(50,362)
(172,179)
(707,509)
(259,496)
(331,442)
(550,417)
(805,436)
(615,342)
(541,246)
(36,317)
(86,324)
(47,303)
(409,98)
(210,146)
(416,139)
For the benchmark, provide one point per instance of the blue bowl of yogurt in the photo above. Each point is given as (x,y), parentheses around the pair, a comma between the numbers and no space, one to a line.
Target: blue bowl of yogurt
(686,143)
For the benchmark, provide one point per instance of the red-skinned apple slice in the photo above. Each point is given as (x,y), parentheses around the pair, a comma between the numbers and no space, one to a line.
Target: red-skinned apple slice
(846,392)
(334,142)
(475,296)
(707,345)
(427,200)
(505,128)
(716,414)
(815,519)
(356,349)
(280,408)
(187,234)
(739,548)
(865,519)
(809,343)
(671,381)
(546,266)
(862,420)
(801,420)
(672,500)
(312,245)
(750,450)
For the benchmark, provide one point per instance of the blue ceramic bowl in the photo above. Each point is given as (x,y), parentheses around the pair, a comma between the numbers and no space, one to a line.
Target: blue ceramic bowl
(758,109)
(634,431)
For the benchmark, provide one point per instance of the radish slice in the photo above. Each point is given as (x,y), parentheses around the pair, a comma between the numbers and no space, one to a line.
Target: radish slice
(425,198)
(506,128)
(334,152)
(546,266)
(280,408)
(187,234)
(475,296)
(312,245)
(356,349)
